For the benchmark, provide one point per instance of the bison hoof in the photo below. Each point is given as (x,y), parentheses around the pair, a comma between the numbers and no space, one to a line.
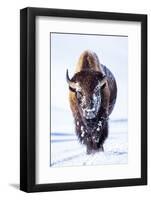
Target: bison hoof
(89,151)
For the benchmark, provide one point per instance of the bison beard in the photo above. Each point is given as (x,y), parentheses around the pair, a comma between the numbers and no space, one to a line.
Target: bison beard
(92,95)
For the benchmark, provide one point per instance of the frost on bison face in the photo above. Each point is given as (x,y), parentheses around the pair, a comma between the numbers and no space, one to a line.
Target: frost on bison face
(92,95)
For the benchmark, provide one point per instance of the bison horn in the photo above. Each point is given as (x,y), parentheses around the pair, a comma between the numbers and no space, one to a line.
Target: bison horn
(72,84)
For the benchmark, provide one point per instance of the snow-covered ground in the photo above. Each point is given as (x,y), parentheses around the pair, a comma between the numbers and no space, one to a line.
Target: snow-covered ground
(67,151)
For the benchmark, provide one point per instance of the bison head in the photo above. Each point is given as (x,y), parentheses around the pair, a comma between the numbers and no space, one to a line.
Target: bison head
(87,86)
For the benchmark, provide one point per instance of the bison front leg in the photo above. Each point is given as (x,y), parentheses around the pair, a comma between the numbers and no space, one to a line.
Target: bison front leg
(102,148)
(88,150)
(103,135)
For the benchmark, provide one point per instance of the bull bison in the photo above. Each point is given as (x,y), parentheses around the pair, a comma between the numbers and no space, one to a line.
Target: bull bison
(92,96)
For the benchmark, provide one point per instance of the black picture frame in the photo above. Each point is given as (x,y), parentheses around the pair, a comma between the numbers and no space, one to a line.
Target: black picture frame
(28,99)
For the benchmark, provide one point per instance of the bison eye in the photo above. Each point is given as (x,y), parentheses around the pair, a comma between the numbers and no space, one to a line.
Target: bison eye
(97,92)
(79,95)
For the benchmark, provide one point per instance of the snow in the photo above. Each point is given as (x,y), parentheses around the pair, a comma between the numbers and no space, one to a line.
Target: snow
(67,151)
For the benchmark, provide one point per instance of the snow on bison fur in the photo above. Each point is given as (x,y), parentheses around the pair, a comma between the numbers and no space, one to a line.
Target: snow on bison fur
(92,96)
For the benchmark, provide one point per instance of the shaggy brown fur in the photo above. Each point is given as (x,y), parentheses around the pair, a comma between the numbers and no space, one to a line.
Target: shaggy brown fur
(88,61)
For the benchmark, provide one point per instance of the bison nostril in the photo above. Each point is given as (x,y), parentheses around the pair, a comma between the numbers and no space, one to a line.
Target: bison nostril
(90,110)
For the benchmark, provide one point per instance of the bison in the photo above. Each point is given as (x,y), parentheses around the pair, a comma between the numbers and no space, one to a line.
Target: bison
(92,96)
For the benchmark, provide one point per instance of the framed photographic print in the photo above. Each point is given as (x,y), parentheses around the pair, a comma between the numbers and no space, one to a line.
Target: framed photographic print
(83,99)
